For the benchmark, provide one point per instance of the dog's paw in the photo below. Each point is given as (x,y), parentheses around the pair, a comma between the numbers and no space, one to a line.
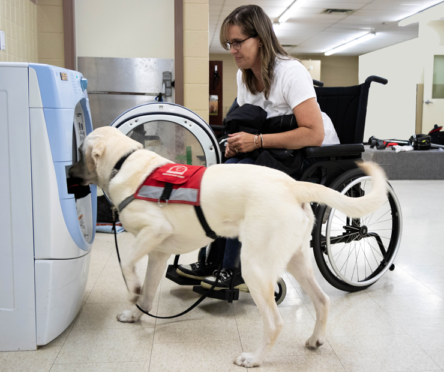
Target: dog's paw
(313,343)
(246,360)
(126,317)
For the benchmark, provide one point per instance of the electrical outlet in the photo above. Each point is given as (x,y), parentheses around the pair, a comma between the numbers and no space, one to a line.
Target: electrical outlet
(2,40)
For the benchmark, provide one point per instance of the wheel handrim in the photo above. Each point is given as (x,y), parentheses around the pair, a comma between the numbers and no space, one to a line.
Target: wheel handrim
(364,240)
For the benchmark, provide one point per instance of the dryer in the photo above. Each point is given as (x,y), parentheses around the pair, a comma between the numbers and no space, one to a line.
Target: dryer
(46,234)
(171,131)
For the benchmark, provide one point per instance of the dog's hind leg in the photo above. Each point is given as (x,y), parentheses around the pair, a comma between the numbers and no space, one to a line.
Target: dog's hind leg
(146,241)
(261,287)
(300,267)
(157,262)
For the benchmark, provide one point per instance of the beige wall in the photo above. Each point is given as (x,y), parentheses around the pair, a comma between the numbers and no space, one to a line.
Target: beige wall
(196,56)
(50,32)
(125,28)
(336,71)
(18,19)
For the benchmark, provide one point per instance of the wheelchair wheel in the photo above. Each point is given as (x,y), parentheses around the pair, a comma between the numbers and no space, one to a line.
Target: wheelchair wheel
(280,291)
(354,253)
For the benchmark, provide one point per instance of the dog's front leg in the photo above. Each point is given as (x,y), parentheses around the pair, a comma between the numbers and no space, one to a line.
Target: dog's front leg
(147,240)
(157,262)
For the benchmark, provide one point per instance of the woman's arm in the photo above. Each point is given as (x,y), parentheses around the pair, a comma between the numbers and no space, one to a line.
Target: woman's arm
(310,131)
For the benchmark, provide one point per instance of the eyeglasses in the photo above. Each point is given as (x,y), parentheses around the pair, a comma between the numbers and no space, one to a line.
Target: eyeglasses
(237,44)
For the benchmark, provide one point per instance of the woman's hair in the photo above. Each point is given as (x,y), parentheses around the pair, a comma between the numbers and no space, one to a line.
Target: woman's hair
(253,22)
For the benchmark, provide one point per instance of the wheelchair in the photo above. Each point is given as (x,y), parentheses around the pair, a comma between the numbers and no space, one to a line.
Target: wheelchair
(351,253)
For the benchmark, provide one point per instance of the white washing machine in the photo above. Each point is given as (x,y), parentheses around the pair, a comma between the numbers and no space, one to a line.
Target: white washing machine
(46,234)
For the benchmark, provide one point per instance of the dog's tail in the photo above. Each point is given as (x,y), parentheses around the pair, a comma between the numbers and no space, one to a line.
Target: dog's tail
(352,207)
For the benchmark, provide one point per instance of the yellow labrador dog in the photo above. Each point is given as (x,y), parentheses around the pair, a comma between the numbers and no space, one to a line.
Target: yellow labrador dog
(269,212)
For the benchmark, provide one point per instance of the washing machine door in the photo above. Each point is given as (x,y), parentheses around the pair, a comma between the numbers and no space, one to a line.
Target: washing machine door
(171,131)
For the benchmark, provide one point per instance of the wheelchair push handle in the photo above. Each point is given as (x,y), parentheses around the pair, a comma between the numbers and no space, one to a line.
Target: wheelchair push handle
(318,83)
(376,79)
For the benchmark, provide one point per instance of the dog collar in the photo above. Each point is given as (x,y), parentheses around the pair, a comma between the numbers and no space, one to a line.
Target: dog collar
(119,164)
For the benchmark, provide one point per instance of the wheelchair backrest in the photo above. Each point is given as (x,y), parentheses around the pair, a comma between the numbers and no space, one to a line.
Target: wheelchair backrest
(347,108)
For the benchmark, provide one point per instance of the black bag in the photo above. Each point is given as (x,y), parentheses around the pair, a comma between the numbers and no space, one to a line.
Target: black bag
(420,141)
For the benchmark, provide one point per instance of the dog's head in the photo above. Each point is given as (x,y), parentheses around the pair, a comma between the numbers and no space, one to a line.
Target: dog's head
(99,153)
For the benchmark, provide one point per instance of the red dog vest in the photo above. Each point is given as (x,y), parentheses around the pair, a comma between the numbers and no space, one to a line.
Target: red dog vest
(185,181)
(174,183)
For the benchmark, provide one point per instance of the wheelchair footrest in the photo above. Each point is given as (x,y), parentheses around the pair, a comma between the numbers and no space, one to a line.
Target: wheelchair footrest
(181,280)
(223,294)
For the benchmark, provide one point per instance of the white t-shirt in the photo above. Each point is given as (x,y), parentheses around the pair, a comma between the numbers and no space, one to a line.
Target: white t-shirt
(292,85)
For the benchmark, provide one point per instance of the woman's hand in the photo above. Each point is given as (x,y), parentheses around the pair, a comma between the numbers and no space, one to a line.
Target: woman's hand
(229,153)
(242,142)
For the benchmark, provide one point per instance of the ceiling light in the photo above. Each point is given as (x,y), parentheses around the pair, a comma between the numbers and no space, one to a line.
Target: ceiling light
(349,44)
(290,10)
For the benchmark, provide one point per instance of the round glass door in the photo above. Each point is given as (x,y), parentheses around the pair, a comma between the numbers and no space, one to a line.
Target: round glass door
(170,140)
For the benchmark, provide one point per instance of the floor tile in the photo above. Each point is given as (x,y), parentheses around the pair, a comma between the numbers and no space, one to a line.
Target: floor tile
(291,340)
(381,353)
(40,360)
(184,331)
(107,345)
(306,363)
(103,316)
(102,367)
(214,356)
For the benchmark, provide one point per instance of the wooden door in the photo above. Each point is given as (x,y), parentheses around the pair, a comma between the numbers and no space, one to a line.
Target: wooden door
(215,96)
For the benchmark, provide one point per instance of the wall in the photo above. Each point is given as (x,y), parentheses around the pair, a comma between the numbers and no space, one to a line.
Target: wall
(50,32)
(391,109)
(18,18)
(196,57)
(125,28)
(336,71)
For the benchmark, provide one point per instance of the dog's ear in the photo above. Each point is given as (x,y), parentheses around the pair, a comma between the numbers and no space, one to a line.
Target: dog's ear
(93,153)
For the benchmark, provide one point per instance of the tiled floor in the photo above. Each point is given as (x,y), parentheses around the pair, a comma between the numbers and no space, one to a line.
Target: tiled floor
(395,325)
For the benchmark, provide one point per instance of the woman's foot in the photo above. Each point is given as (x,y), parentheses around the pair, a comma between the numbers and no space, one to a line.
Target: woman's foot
(196,270)
(226,275)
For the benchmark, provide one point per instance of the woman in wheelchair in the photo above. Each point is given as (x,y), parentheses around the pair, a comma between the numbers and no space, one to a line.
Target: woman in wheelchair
(278,114)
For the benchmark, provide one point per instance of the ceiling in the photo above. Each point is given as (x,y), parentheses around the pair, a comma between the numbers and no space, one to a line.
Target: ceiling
(314,32)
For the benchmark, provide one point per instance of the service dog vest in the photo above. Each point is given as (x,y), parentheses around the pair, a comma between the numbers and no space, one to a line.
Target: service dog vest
(173,183)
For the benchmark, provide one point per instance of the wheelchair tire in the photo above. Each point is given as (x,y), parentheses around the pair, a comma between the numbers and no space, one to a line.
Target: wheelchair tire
(369,244)
(280,291)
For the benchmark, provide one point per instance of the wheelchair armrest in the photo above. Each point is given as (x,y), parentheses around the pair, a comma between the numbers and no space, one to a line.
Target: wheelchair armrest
(333,150)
